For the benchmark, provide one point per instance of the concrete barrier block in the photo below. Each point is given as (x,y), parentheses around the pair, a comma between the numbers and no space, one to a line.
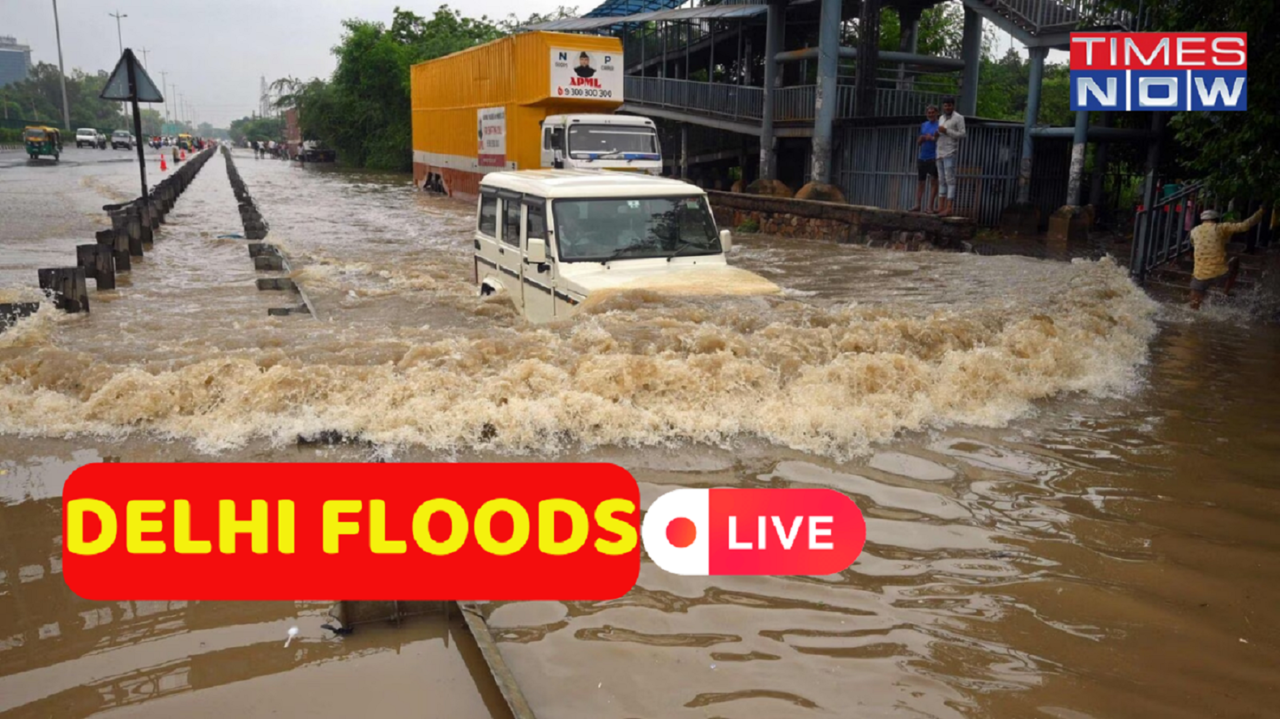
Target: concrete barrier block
(11,312)
(67,286)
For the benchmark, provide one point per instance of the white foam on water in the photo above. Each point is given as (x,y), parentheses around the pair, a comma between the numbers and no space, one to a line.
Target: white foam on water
(633,371)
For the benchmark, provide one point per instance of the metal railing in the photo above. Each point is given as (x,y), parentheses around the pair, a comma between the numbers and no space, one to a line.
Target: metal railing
(791,104)
(1044,15)
(734,101)
(1162,232)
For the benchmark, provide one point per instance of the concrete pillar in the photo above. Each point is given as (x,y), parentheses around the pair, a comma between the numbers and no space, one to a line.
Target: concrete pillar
(908,41)
(684,151)
(772,46)
(971,53)
(1100,159)
(1037,55)
(1078,145)
(868,53)
(819,186)
(824,110)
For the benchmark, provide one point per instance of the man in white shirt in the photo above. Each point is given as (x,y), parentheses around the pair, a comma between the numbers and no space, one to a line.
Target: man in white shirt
(950,130)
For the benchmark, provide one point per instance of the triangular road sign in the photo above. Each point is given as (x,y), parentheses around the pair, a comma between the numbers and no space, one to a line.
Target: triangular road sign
(118,85)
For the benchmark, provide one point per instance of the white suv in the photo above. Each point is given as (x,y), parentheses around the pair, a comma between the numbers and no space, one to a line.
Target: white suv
(90,137)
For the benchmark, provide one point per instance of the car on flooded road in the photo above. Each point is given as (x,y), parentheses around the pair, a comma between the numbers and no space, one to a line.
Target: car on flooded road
(552,240)
(121,138)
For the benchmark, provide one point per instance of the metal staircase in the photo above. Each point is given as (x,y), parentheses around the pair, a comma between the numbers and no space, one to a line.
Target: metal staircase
(1049,23)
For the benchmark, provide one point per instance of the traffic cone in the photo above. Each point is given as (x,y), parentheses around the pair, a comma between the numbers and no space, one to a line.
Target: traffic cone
(163,167)
(184,155)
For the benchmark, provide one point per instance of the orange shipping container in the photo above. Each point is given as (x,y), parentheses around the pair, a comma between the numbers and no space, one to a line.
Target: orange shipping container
(478,111)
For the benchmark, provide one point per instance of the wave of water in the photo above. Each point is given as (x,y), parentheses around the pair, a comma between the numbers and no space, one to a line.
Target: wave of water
(634,370)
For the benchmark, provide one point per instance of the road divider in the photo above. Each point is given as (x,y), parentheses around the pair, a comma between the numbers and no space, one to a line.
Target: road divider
(266,257)
(133,229)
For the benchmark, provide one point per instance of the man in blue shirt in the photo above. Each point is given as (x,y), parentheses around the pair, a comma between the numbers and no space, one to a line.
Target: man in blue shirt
(927,162)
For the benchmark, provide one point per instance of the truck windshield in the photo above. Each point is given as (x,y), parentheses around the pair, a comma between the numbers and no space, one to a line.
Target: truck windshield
(630,228)
(585,140)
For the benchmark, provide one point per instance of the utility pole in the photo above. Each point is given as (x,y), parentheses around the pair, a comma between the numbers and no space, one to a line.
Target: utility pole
(144,59)
(62,72)
(120,40)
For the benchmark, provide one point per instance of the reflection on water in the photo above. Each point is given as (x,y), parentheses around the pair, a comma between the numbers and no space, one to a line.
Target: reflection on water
(1070,493)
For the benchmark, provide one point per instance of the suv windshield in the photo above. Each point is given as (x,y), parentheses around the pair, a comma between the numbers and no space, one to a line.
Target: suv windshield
(629,228)
(121,133)
(604,139)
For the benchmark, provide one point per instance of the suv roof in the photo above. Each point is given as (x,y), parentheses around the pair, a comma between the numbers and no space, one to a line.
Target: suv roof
(588,184)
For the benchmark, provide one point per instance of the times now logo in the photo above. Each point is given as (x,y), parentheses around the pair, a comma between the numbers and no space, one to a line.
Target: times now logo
(736,532)
(1177,72)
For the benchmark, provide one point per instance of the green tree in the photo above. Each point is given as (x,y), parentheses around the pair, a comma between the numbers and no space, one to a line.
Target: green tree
(363,109)
(39,98)
(1236,153)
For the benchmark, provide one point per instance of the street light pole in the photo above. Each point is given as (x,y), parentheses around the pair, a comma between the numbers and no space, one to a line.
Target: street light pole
(164,85)
(62,72)
(119,37)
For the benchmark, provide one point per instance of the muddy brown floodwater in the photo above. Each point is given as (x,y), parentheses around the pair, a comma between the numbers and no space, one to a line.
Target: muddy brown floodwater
(1071,491)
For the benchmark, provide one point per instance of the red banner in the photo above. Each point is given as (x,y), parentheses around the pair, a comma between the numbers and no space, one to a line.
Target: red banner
(351,531)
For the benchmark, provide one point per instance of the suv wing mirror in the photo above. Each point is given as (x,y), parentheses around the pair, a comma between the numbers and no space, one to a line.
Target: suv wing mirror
(537,253)
(726,240)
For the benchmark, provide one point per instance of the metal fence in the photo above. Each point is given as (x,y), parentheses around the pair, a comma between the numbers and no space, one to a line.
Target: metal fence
(877,166)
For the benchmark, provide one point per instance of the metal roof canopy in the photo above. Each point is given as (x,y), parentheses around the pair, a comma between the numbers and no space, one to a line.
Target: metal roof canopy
(713,12)
(619,8)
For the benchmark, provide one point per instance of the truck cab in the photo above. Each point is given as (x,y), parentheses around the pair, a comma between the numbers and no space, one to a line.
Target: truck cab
(601,142)
(555,240)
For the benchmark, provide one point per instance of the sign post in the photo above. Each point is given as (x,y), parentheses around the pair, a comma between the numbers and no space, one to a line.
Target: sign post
(130,82)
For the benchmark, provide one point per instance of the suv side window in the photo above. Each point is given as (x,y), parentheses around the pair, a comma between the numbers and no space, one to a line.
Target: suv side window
(536,218)
(511,222)
(489,216)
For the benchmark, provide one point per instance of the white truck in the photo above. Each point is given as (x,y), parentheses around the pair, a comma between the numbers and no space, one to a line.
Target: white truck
(552,240)
(601,142)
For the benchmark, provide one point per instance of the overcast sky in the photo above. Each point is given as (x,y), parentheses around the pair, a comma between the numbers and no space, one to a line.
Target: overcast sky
(216,52)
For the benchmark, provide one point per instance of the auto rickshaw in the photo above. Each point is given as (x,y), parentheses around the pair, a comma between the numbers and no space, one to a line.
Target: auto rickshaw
(184,142)
(43,141)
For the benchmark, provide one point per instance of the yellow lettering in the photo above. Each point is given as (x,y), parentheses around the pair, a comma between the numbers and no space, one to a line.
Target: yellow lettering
(76,509)
(335,527)
(422,526)
(135,526)
(284,536)
(256,526)
(547,526)
(378,541)
(182,541)
(519,520)
(626,533)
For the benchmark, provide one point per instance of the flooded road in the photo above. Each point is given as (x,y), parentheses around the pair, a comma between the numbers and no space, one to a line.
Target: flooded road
(1070,490)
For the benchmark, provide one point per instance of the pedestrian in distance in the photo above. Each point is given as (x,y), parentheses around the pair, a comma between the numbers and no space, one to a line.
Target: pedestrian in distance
(1209,240)
(927,161)
(950,132)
